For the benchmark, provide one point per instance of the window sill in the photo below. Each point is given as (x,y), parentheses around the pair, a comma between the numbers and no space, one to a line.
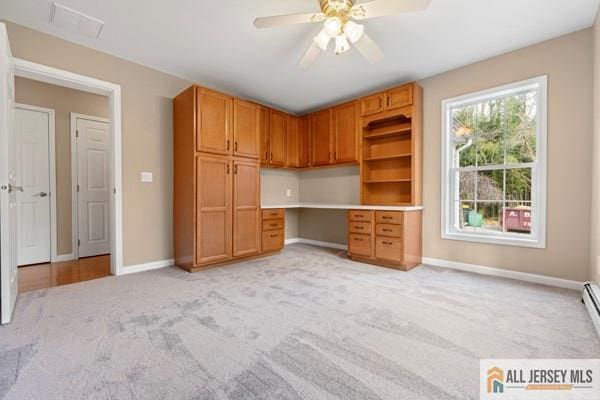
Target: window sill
(502,241)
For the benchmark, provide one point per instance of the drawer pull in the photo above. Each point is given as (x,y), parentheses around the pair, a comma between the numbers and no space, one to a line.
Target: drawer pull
(273,225)
(386,217)
(387,243)
(273,236)
(359,216)
(387,230)
(359,240)
(360,228)
(274,214)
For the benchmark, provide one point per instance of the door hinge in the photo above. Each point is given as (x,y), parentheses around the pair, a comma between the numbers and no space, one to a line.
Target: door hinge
(77,188)
(76,133)
(78,243)
(114,190)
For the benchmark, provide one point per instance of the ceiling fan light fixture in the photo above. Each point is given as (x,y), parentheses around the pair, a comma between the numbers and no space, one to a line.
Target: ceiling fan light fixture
(354,31)
(341,44)
(322,40)
(333,26)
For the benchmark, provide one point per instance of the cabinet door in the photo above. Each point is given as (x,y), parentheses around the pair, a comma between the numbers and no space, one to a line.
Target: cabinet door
(278,138)
(246,129)
(264,136)
(293,142)
(398,97)
(246,208)
(214,122)
(321,137)
(213,209)
(346,133)
(305,142)
(372,104)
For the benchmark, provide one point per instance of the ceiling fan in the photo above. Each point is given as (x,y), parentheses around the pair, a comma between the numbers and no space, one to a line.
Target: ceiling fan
(338,17)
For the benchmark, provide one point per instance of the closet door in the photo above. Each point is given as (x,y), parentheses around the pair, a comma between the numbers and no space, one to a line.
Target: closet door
(214,122)
(321,137)
(246,208)
(346,133)
(278,138)
(246,129)
(213,209)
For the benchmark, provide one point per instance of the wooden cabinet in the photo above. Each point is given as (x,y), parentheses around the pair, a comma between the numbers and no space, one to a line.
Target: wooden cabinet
(293,142)
(246,129)
(345,122)
(246,208)
(305,142)
(391,99)
(387,238)
(213,209)
(277,138)
(265,144)
(214,120)
(216,192)
(273,229)
(321,137)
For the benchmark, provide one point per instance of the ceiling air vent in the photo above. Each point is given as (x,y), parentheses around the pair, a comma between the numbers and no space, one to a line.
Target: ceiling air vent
(75,21)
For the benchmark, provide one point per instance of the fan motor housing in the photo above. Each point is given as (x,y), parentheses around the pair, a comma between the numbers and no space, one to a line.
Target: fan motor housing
(336,7)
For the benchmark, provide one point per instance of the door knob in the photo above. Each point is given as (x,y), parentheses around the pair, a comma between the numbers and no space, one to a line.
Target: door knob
(41,194)
(12,188)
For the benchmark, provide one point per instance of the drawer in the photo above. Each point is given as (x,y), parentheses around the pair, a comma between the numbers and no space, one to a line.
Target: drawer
(360,215)
(272,225)
(359,227)
(388,249)
(272,240)
(388,217)
(360,245)
(275,213)
(388,230)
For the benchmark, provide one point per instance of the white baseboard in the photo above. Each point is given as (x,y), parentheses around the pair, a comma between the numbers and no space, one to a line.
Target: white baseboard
(64,257)
(521,276)
(317,243)
(132,269)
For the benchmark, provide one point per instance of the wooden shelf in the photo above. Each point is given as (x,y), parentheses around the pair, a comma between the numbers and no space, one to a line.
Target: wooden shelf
(387,180)
(387,132)
(391,157)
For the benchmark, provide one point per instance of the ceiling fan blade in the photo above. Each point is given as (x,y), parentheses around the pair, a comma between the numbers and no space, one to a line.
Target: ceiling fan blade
(367,47)
(278,20)
(310,56)
(380,8)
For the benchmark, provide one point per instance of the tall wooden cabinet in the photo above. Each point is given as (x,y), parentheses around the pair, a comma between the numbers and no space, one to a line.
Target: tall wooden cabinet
(216,202)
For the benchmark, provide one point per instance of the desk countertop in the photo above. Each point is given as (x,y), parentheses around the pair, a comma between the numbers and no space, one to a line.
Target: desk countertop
(343,207)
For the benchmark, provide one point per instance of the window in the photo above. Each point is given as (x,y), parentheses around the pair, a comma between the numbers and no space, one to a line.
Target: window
(494,165)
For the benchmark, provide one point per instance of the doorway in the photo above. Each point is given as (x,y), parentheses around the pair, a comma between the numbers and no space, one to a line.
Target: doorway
(9,68)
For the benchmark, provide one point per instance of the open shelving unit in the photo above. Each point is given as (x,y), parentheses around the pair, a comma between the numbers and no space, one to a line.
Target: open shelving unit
(391,171)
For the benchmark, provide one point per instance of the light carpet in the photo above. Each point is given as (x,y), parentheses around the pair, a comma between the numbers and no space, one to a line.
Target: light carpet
(303,324)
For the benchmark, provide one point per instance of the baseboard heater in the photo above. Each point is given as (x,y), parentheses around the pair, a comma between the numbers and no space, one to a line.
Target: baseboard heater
(591,299)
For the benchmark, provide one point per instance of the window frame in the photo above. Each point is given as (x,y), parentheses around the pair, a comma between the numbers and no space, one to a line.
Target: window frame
(537,239)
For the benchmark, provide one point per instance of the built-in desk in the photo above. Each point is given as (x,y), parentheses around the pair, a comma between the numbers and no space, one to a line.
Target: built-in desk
(343,207)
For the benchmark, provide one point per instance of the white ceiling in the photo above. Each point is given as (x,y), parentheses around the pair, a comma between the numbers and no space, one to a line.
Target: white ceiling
(214,43)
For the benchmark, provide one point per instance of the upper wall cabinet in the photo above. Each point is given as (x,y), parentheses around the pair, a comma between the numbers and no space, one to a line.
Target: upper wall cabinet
(264,136)
(278,138)
(214,122)
(346,131)
(305,141)
(391,99)
(246,129)
(321,137)
(293,142)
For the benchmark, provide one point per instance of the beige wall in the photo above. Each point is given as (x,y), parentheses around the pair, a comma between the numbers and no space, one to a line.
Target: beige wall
(63,101)
(568,62)
(274,183)
(595,237)
(339,185)
(147,135)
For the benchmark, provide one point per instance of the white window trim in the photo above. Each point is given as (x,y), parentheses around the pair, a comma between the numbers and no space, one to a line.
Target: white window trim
(539,182)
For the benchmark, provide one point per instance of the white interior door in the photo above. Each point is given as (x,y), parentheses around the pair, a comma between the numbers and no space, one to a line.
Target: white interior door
(93,196)
(8,184)
(32,131)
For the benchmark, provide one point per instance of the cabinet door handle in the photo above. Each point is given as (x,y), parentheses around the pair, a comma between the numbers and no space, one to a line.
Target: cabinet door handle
(235,146)
(227,169)
(267,155)
(235,169)
(227,144)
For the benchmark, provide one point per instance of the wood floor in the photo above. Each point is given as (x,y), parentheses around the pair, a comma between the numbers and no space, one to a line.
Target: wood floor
(43,276)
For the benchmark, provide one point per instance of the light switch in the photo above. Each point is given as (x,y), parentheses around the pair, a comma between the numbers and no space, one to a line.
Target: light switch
(288,192)
(147,177)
